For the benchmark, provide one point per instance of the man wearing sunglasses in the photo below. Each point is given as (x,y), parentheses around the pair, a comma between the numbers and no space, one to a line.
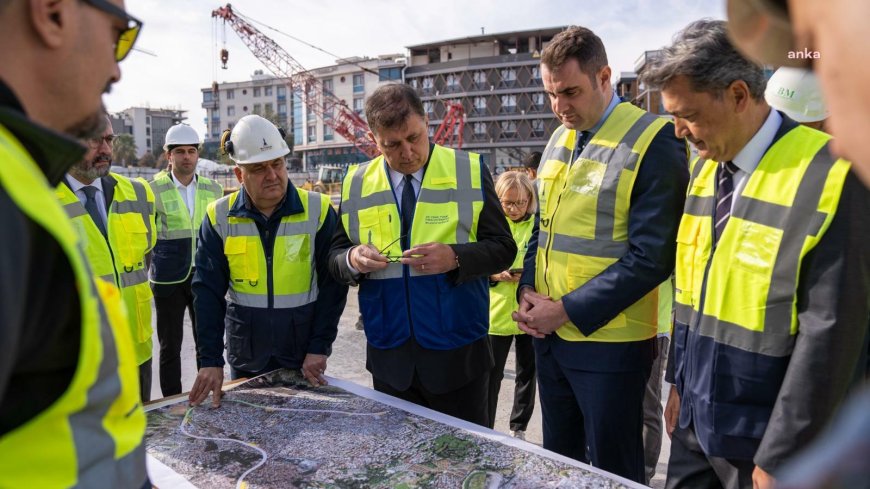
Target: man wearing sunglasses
(114,215)
(421,230)
(70,413)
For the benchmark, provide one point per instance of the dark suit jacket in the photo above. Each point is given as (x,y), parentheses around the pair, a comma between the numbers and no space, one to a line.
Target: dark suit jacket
(441,371)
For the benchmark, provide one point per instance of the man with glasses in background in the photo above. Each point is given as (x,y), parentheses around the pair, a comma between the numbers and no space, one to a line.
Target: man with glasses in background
(114,216)
(421,230)
(70,413)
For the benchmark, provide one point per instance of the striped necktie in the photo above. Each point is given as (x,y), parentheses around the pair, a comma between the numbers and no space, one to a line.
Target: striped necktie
(91,206)
(724,195)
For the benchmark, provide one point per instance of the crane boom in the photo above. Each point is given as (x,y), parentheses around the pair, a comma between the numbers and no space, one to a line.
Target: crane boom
(333,111)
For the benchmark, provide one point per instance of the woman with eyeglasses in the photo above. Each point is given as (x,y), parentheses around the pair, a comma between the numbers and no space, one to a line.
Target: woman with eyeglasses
(516,193)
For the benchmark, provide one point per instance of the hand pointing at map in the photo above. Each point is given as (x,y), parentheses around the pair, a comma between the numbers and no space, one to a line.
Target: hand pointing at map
(208,379)
(313,367)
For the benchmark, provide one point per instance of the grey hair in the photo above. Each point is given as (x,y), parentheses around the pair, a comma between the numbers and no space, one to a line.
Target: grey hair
(703,53)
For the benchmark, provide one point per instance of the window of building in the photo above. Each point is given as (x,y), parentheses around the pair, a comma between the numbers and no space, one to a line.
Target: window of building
(148,143)
(147,119)
(536,75)
(479,79)
(390,74)
(258,109)
(452,82)
(358,83)
(282,91)
(479,105)
(508,76)
(256,91)
(327,86)
(328,134)
(429,108)
(231,110)
(269,108)
(267,91)
(231,94)
(480,128)
(428,84)
(282,108)
(537,127)
(312,133)
(509,103)
(147,131)
(538,100)
(359,104)
(509,128)
(207,96)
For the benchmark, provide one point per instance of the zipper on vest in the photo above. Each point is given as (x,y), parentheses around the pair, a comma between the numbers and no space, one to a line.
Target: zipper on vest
(707,266)
(270,298)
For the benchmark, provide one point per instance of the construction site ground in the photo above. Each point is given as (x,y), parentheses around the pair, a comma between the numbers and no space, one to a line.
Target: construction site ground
(348,362)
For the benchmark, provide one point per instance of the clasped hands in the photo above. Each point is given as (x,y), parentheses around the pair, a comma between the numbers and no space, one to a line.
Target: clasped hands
(428,258)
(539,315)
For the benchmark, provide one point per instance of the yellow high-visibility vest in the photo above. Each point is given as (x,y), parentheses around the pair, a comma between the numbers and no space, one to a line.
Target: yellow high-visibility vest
(91,436)
(780,215)
(584,210)
(172,260)
(121,260)
(444,315)
(294,281)
(503,295)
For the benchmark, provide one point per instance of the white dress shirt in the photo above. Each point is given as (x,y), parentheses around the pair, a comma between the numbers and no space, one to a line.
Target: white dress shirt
(188,192)
(100,197)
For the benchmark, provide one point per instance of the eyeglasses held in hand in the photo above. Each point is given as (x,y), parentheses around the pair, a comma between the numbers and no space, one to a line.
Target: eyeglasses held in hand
(126,37)
(392,259)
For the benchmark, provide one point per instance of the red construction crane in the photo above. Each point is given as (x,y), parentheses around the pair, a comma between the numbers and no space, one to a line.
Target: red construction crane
(329,108)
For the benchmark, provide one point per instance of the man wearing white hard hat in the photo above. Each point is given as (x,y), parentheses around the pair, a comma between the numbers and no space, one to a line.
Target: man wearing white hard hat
(181,199)
(265,248)
(797,93)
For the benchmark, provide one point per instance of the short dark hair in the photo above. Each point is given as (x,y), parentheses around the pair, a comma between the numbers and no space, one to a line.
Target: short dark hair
(390,105)
(703,53)
(578,43)
(532,160)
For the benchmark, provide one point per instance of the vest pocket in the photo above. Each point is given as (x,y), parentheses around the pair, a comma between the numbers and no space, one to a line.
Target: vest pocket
(243,265)
(133,241)
(687,248)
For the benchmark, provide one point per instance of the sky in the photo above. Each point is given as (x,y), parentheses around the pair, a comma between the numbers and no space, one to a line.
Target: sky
(184,40)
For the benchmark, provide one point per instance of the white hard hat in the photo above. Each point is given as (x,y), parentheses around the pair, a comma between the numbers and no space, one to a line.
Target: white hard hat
(181,135)
(255,140)
(797,93)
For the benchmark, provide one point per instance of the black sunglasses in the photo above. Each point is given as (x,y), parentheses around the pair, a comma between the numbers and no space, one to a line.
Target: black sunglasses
(128,36)
(391,259)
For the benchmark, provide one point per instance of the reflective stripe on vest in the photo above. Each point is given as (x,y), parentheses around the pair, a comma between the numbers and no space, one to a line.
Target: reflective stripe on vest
(173,258)
(91,436)
(584,208)
(121,260)
(448,180)
(246,257)
(747,287)
(173,216)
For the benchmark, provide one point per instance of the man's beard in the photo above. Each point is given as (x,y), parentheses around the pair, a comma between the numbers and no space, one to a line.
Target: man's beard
(90,173)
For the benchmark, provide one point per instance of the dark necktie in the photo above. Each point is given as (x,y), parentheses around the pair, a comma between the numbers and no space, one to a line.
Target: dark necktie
(724,195)
(91,206)
(409,200)
(581,143)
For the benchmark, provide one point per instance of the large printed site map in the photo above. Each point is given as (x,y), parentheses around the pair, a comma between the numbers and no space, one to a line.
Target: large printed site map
(278,431)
